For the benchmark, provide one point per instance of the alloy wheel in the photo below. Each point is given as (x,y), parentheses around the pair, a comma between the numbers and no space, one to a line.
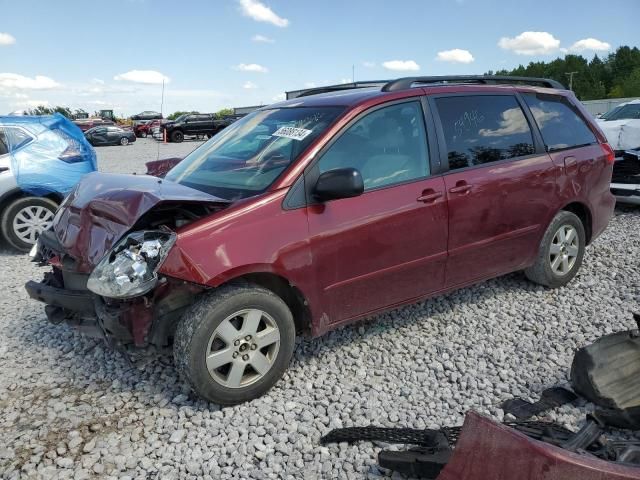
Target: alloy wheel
(564,249)
(32,221)
(243,348)
(124,141)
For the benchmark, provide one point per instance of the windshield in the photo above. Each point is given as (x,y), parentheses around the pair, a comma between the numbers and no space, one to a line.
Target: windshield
(246,157)
(623,112)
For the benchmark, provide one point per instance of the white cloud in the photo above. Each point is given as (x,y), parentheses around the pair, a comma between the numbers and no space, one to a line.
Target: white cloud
(97,81)
(310,85)
(32,103)
(262,39)
(98,102)
(261,13)
(249,85)
(455,56)
(279,97)
(147,77)
(346,80)
(6,39)
(368,64)
(20,82)
(531,43)
(590,44)
(251,67)
(401,65)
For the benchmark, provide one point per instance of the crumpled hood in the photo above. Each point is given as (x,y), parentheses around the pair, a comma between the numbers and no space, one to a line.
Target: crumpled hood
(103,207)
(621,134)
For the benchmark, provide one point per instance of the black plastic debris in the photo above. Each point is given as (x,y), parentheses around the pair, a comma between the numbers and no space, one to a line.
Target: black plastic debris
(607,373)
(550,398)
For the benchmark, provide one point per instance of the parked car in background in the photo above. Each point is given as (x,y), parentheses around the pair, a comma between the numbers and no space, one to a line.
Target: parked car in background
(621,125)
(195,124)
(625,184)
(109,135)
(142,128)
(89,123)
(41,160)
(147,115)
(315,212)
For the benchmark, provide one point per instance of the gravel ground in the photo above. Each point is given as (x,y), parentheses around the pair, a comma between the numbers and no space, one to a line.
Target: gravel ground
(131,159)
(71,408)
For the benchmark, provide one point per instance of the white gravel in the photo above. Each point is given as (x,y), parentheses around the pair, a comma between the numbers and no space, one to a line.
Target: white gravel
(71,408)
(132,158)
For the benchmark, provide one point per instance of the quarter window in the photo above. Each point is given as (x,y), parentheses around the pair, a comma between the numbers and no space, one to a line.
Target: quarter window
(560,124)
(17,137)
(387,146)
(4,144)
(481,129)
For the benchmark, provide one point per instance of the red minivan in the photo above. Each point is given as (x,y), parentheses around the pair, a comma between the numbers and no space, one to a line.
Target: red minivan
(318,211)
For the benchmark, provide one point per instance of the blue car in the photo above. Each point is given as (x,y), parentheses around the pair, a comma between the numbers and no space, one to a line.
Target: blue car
(41,160)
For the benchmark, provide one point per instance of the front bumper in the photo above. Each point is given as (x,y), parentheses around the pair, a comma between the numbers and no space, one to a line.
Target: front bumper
(626,192)
(142,321)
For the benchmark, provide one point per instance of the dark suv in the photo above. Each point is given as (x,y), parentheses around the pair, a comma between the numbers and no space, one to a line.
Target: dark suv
(198,124)
(312,213)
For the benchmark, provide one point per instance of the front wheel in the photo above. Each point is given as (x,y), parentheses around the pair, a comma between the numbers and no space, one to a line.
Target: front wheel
(235,343)
(24,219)
(560,253)
(124,141)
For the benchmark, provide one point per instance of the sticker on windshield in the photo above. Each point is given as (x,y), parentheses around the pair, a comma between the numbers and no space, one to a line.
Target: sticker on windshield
(291,132)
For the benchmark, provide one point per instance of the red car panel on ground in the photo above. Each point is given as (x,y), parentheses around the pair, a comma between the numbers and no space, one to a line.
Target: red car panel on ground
(489,451)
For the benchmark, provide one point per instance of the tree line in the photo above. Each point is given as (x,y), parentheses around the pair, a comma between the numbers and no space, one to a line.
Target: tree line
(615,76)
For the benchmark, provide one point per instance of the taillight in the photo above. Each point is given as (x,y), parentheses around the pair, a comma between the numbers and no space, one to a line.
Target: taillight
(608,151)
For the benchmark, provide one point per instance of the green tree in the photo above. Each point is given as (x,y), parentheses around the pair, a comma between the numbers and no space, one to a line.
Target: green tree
(177,114)
(614,76)
(225,112)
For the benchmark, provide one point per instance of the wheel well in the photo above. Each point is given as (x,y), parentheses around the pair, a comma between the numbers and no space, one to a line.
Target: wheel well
(14,195)
(583,213)
(291,295)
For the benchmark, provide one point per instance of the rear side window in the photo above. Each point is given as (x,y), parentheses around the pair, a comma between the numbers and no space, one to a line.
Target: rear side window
(481,129)
(559,122)
(4,144)
(17,137)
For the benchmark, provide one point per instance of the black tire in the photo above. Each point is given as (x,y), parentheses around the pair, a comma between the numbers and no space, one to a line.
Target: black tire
(541,271)
(124,141)
(143,134)
(177,136)
(14,208)
(200,321)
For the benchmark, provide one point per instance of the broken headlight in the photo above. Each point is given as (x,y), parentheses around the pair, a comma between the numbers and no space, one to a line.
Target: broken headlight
(129,269)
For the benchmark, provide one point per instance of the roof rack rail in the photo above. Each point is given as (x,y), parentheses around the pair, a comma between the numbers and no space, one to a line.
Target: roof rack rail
(335,88)
(407,82)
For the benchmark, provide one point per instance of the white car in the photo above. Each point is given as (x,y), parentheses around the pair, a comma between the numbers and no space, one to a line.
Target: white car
(622,126)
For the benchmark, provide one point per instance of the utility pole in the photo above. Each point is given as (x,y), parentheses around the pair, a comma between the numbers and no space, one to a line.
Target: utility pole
(353,73)
(162,99)
(570,75)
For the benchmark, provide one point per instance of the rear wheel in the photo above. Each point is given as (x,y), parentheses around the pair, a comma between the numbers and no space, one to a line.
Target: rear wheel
(177,136)
(143,134)
(560,253)
(234,344)
(24,219)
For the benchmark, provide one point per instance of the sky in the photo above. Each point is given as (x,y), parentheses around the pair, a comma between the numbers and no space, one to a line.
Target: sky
(233,53)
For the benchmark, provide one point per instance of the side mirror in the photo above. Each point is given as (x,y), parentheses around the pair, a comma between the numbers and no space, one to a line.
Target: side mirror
(338,183)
